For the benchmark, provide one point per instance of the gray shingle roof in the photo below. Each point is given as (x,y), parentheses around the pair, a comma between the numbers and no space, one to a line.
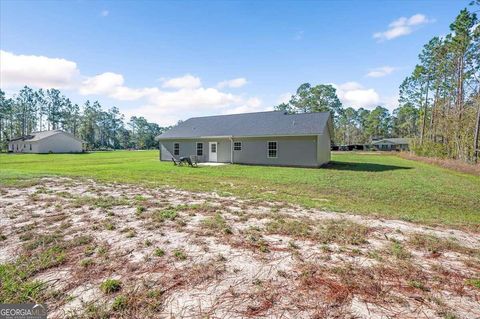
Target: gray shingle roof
(394,140)
(40,135)
(250,124)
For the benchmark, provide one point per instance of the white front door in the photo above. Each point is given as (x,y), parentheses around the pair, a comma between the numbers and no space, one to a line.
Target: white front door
(212,151)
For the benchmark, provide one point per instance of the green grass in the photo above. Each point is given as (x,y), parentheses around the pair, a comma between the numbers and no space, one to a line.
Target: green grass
(216,223)
(179,254)
(16,278)
(110,286)
(159,252)
(373,184)
(474,283)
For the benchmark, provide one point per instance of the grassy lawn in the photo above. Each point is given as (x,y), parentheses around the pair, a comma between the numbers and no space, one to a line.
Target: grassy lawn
(373,184)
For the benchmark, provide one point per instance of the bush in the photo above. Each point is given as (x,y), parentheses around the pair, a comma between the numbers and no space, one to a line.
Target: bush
(159,252)
(179,254)
(110,285)
(429,149)
(119,303)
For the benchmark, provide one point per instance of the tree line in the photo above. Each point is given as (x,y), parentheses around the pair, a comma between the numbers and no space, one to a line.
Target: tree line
(353,126)
(445,88)
(36,110)
(439,103)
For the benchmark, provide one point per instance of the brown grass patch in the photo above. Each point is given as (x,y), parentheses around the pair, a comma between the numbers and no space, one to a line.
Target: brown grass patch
(327,231)
(455,165)
(435,245)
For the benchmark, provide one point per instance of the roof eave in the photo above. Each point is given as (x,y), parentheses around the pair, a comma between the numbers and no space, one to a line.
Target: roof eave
(159,138)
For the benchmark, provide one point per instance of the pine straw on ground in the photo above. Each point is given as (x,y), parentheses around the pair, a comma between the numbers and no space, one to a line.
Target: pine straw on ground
(455,165)
(93,250)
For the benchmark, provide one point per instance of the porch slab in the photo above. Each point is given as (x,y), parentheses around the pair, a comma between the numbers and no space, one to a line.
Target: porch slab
(212,164)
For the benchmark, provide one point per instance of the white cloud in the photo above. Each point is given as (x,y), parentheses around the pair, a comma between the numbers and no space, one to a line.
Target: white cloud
(402,26)
(353,94)
(200,98)
(284,98)
(103,83)
(253,104)
(111,84)
(187,81)
(380,72)
(233,83)
(166,107)
(37,71)
(123,93)
(104,13)
(176,98)
(391,102)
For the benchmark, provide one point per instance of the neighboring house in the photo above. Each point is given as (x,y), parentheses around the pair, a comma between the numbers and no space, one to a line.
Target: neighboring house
(55,141)
(391,144)
(263,138)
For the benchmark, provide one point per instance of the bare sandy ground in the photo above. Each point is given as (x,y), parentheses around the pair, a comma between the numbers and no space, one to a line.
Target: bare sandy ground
(179,254)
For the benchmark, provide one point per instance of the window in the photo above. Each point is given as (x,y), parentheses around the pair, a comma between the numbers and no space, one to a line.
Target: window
(213,147)
(199,149)
(30,147)
(176,148)
(17,146)
(272,150)
(237,146)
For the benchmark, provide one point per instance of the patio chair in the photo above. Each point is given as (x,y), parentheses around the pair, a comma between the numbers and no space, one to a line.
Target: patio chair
(184,160)
(176,163)
(194,160)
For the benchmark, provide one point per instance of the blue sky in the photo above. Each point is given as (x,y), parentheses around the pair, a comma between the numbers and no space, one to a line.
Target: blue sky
(170,60)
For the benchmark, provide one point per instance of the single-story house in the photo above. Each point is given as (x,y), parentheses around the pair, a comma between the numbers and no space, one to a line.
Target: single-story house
(54,141)
(261,138)
(391,144)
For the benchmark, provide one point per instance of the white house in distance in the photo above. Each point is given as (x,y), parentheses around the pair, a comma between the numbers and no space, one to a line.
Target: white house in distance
(391,144)
(54,141)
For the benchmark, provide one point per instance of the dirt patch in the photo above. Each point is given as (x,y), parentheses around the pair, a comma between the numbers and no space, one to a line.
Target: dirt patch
(92,250)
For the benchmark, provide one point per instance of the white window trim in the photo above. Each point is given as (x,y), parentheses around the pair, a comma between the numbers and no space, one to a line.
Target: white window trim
(174,149)
(268,149)
(196,149)
(241,146)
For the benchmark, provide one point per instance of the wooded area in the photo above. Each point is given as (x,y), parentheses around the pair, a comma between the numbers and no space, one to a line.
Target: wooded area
(445,88)
(36,110)
(439,104)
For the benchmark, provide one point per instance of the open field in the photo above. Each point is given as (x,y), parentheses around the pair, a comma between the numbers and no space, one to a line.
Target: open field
(372,184)
(99,250)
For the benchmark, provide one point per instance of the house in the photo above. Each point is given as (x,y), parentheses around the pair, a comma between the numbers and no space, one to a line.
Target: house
(262,138)
(390,144)
(54,141)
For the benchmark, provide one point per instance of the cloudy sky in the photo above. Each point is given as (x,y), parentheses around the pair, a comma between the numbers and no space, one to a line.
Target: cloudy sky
(169,61)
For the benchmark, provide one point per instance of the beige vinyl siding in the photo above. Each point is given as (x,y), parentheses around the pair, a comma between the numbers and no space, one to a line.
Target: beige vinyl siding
(323,147)
(58,143)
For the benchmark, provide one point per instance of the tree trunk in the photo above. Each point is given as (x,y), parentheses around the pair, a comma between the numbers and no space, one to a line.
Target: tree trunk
(476,147)
(422,133)
(459,102)
(1,134)
(40,120)
(433,132)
